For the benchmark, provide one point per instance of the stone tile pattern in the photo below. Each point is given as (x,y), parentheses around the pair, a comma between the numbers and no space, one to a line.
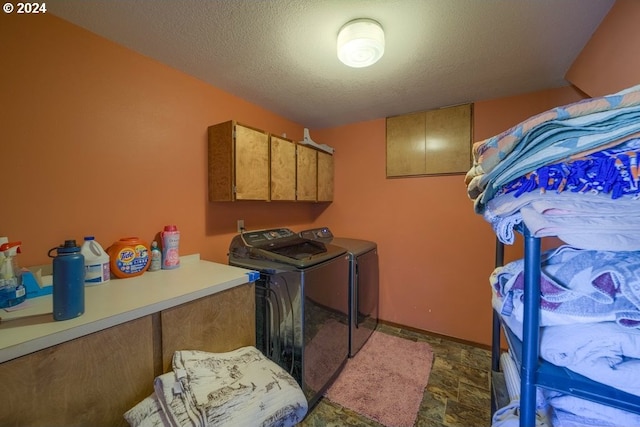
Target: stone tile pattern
(457,395)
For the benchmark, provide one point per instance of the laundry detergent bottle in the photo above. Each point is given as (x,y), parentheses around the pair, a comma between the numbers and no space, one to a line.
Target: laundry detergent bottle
(156,257)
(96,262)
(170,242)
(68,281)
(129,257)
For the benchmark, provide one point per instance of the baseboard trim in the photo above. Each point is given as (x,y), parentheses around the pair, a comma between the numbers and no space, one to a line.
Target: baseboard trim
(435,334)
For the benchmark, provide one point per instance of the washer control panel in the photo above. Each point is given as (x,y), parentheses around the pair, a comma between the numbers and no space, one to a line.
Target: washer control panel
(260,238)
(322,234)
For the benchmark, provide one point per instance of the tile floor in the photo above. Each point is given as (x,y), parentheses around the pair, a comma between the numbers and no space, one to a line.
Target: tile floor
(457,395)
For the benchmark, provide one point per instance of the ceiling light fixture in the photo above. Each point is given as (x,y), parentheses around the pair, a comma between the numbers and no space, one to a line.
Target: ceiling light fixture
(360,43)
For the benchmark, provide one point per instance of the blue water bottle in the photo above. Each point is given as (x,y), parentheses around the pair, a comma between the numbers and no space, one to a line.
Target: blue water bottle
(68,281)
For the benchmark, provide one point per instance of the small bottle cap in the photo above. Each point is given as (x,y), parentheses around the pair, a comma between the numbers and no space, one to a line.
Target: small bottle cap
(68,247)
(89,238)
(170,228)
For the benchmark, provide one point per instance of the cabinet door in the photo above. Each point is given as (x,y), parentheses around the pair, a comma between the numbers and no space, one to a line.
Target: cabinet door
(283,168)
(325,177)
(405,145)
(307,168)
(89,381)
(448,140)
(251,164)
(238,163)
(221,322)
(220,152)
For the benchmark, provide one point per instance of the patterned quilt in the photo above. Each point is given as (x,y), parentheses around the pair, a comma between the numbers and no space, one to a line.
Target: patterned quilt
(576,286)
(237,388)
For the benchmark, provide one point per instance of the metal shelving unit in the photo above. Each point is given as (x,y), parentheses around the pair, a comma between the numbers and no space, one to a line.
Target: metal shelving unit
(535,372)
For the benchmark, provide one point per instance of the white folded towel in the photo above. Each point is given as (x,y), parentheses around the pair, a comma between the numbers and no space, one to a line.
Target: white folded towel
(237,388)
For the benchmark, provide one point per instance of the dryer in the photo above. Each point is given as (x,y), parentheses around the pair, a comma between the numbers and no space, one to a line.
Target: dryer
(363,283)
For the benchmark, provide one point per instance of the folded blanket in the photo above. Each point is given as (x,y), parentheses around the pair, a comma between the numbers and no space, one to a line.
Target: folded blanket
(509,416)
(552,136)
(612,232)
(603,352)
(570,411)
(147,413)
(237,388)
(611,171)
(548,149)
(561,410)
(586,221)
(576,286)
(488,153)
(565,202)
(504,226)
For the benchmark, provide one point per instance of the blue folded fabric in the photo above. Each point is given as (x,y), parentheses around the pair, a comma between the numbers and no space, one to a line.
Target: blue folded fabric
(555,141)
(611,171)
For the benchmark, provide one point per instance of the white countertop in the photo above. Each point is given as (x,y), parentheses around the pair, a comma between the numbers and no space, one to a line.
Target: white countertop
(117,301)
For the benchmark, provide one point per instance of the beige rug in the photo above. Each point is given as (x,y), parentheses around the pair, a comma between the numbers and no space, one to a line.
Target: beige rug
(385,381)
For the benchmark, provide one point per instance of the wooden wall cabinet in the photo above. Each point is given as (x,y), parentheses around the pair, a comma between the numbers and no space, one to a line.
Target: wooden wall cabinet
(436,142)
(238,163)
(283,169)
(249,164)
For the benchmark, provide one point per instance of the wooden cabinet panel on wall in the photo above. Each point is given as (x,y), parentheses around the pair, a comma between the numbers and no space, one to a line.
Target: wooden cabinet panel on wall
(435,142)
(405,145)
(238,163)
(218,323)
(315,175)
(325,177)
(307,172)
(283,168)
(89,381)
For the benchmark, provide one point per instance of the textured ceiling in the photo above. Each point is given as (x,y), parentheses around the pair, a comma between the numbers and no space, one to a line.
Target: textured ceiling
(281,54)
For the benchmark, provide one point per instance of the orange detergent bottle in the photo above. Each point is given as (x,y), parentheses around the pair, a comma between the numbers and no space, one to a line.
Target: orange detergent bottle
(129,257)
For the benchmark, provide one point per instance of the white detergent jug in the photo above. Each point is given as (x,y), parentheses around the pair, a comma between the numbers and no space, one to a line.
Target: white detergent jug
(96,262)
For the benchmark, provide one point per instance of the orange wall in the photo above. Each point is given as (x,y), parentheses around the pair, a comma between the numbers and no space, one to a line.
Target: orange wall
(435,253)
(100,140)
(610,61)
(95,135)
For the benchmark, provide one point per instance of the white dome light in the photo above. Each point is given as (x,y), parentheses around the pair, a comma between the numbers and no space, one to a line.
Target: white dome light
(360,43)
